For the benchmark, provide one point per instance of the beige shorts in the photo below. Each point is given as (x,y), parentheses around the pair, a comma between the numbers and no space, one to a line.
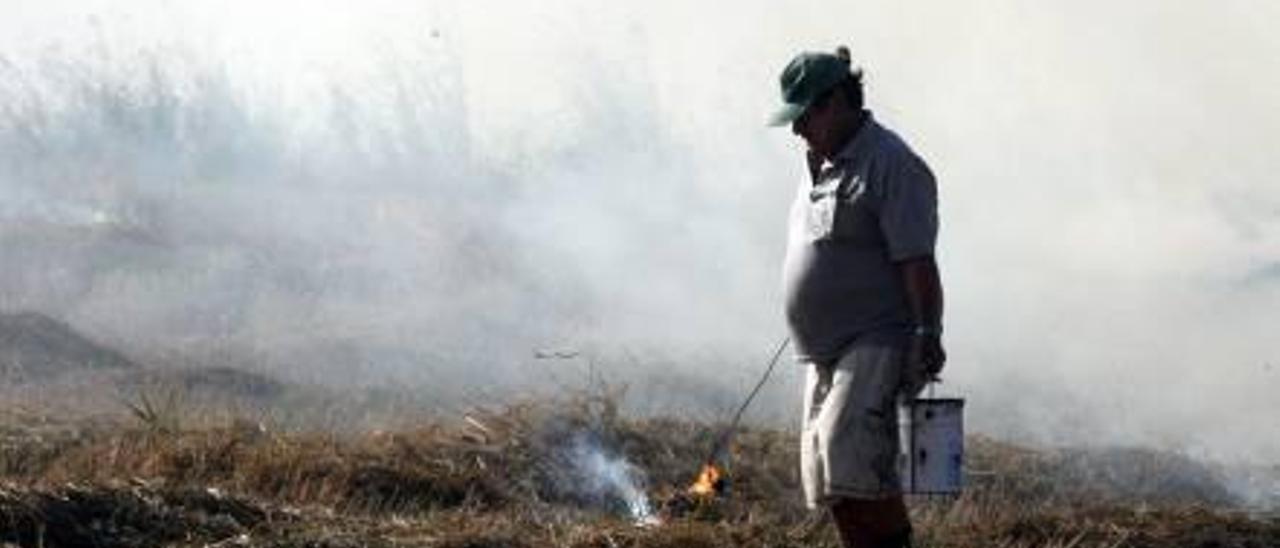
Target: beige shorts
(849,439)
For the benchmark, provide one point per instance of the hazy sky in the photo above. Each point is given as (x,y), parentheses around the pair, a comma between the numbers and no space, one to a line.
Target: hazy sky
(458,183)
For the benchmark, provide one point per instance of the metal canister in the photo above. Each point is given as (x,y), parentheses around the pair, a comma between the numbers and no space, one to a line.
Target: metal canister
(932,458)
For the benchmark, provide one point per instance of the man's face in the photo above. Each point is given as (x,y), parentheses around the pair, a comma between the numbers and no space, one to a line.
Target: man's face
(818,123)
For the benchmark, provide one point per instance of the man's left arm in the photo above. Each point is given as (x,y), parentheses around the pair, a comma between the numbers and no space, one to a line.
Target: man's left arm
(909,219)
(923,288)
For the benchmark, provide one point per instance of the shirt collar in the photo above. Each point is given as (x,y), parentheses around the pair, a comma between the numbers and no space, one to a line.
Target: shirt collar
(859,141)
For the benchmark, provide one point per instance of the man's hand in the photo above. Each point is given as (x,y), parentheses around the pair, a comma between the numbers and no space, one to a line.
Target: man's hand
(925,359)
(925,356)
(814,162)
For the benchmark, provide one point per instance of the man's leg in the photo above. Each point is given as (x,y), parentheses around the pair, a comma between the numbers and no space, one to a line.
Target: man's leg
(856,436)
(872,523)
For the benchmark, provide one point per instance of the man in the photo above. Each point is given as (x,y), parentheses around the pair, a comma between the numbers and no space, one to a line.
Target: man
(863,296)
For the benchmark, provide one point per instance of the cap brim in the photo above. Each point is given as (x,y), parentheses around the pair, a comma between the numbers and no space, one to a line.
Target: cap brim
(787,114)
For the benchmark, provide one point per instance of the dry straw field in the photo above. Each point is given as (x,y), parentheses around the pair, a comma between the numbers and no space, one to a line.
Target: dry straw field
(124,455)
(156,475)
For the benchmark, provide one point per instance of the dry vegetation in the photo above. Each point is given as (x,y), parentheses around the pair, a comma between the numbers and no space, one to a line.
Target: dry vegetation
(126,455)
(496,478)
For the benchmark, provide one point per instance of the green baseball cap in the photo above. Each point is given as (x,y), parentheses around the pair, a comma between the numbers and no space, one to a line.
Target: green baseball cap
(805,79)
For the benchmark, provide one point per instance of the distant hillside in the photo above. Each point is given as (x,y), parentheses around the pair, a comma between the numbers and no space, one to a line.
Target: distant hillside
(34,346)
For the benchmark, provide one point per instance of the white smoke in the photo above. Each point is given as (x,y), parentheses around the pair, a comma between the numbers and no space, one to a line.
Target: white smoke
(581,467)
(427,191)
(607,476)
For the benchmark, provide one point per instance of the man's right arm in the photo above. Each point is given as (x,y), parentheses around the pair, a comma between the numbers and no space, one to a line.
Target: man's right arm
(813,161)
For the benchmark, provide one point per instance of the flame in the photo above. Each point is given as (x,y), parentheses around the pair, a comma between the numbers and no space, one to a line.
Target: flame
(708,482)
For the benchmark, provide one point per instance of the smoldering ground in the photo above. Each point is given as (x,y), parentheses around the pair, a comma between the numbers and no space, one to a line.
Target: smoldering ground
(427,194)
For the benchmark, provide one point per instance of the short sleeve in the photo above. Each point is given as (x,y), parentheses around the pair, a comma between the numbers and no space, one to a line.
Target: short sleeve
(909,210)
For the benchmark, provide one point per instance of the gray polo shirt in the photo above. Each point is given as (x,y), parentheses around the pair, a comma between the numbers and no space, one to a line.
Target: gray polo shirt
(873,206)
